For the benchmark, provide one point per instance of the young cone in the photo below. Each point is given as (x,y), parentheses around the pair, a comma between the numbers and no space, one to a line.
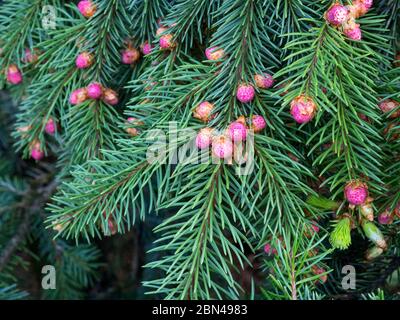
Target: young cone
(337,14)
(258,123)
(204,138)
(341,235)
(264,81)
(356,192)
(373,233)
(222,147)
(50,127)
(214,53)
(203,111)
(14,75)
(245,93)
(84,60)
(87,8)
(78,96)
(94,90)
(303,109)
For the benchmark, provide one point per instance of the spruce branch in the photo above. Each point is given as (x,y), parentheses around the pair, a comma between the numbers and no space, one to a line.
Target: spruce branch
(11,292)
(21,24)
(344,135)
(297,267)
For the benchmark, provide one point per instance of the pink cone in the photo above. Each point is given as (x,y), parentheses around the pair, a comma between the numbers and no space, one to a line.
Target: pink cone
(78,96)
(146,48)
(360,7)
(50,127)
(204,138)
(87,8)
(214,53)
(352,31)
(303,109)
(166,42)
(264,81)
(36,152)
(14,75)
(269,250)
(258,123)
(83,60)
(388,105)
(356,192)
(337,14)
(130,55)
(222,147)
(30,56)
(203,111)
(385,218)
(245,93)
(237,131)
(110,97)
(94,90)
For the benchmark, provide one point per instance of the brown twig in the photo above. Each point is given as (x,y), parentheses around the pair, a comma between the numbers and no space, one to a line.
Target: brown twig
(293,281)
(34,203)
(15,241)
